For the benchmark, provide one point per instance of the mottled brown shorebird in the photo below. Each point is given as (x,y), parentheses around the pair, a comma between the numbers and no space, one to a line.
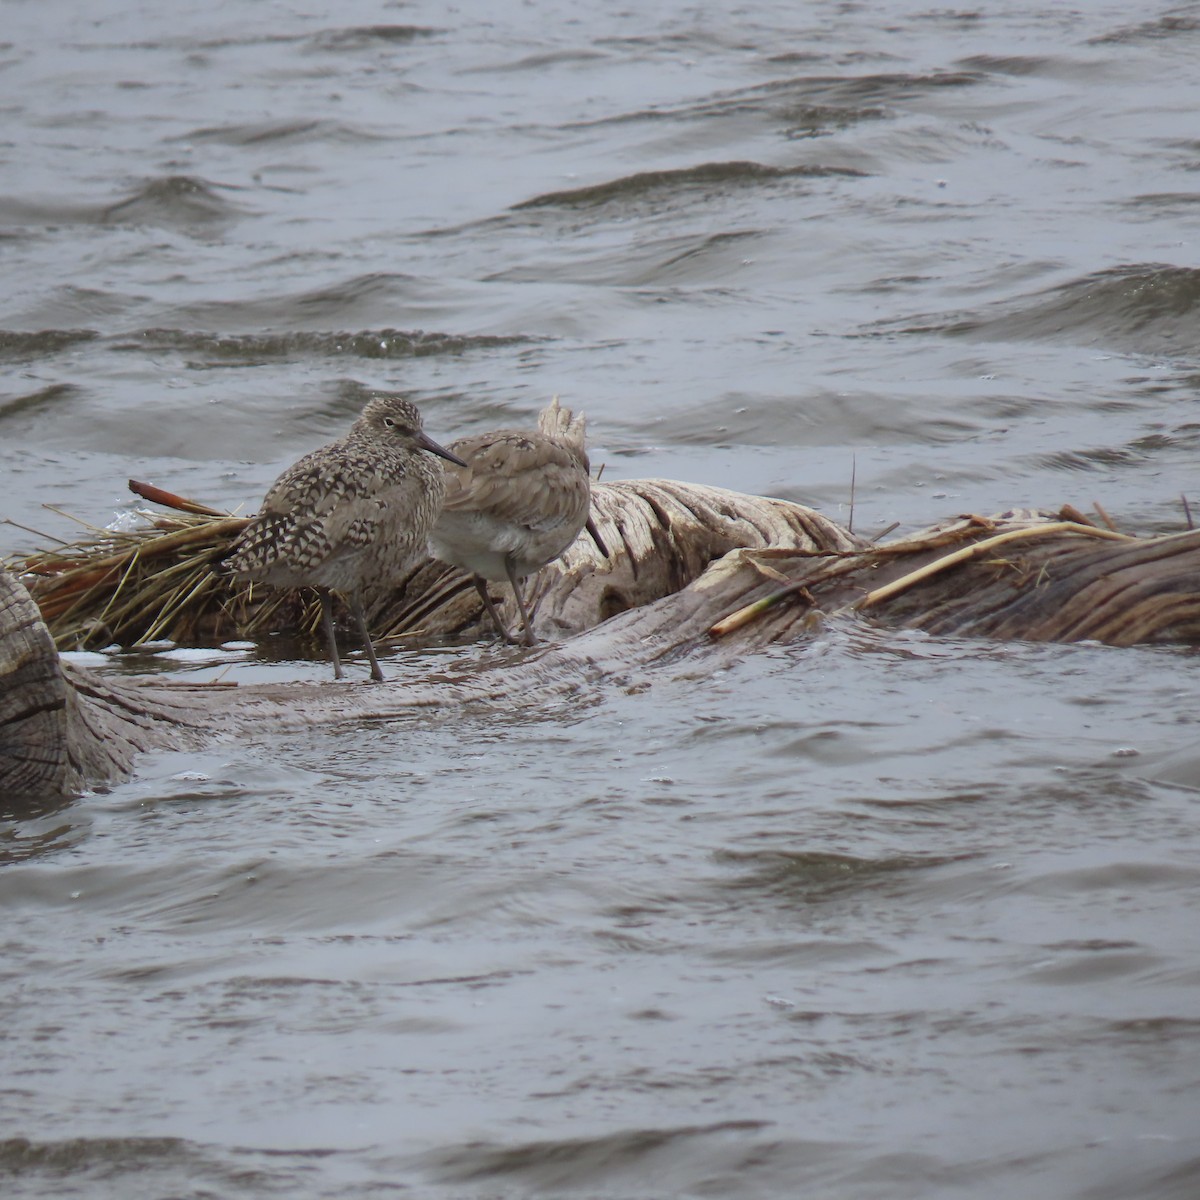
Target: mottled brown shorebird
(352,514)
(520,501)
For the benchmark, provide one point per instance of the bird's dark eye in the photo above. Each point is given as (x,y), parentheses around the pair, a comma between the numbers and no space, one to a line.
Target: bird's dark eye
(389,422)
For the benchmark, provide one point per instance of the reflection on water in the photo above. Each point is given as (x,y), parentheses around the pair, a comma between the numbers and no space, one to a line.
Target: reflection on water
(874,916)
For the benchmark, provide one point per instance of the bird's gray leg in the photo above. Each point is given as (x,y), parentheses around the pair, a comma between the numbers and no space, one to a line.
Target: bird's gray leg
(357,609)
(527,637)
(481,587)
(327,625)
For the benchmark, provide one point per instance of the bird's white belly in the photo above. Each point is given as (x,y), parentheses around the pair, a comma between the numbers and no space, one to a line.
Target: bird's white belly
(482,544)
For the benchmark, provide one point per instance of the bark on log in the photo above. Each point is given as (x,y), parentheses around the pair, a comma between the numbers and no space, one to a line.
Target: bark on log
(683,560)
(1063,583)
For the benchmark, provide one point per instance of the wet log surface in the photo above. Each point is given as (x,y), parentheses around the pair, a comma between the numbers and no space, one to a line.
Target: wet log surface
(694,575)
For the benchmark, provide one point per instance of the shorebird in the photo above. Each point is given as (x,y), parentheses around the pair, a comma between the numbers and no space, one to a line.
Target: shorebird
(352,514)
(518,502)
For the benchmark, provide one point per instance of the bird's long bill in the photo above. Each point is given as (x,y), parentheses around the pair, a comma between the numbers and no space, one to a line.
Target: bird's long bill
(427,443)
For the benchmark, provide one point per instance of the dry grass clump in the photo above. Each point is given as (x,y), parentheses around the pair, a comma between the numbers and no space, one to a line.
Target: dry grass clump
(144,584)
(156,582)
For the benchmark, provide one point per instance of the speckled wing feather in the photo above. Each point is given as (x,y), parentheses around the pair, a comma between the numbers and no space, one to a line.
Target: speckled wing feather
(522,478)
(313,512)
(330,476)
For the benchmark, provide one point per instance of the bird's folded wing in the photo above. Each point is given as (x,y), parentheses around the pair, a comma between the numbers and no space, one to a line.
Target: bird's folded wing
(514,477)
(315,486)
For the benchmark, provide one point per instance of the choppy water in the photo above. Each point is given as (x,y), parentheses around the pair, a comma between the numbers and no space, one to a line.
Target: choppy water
(875,916)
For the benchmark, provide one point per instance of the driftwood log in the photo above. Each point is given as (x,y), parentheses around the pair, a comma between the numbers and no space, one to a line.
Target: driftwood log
(692,573)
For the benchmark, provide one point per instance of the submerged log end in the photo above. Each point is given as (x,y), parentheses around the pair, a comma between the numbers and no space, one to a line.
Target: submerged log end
(34,700)
(62,728)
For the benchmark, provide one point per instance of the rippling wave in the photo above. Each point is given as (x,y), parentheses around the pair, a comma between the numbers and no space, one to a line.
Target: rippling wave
(18,344)
(380,344)
(604,1161)
(354,38)
(131,1165)
(44,397)
(730,174)
(1151,309)
(807,872)
(263,347)
(178,200)
(255,133)
(175,201)
(1167,27)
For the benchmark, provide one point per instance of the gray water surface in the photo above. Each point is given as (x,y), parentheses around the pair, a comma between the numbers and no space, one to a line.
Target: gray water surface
(875,915)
